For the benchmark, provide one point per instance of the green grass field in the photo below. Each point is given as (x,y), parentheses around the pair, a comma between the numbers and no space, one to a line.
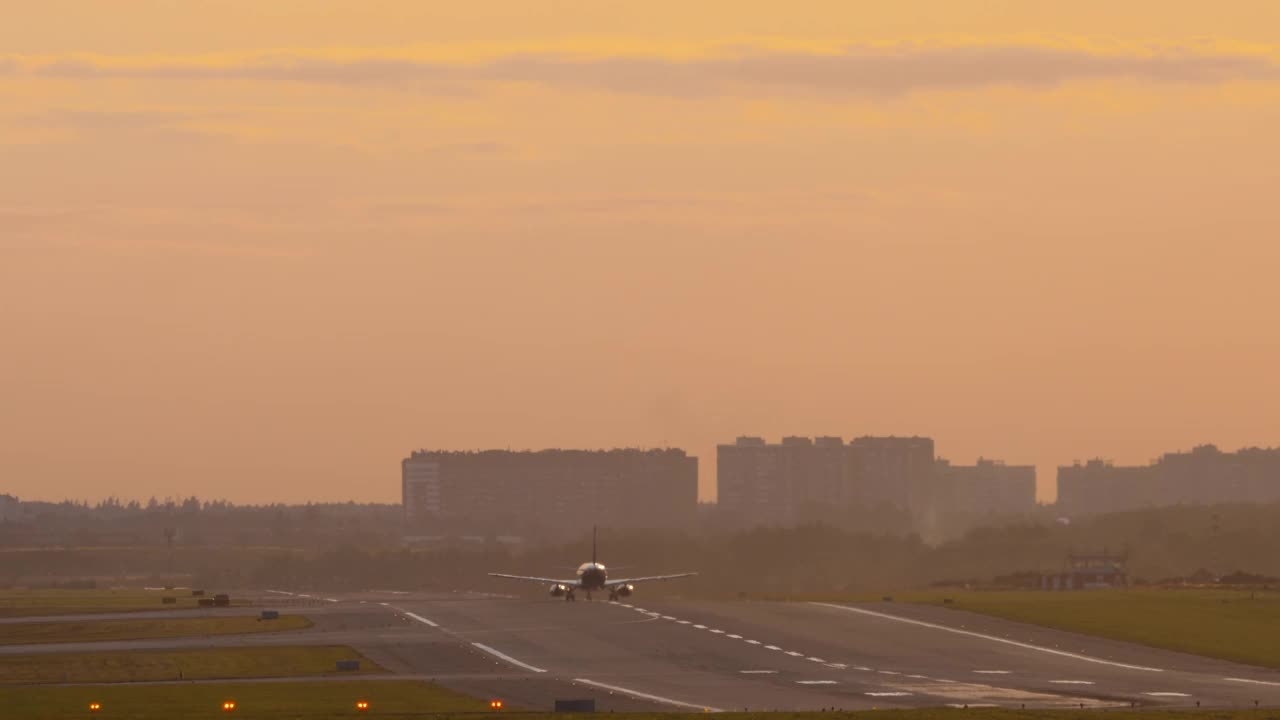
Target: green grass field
(29,603)
(253,700)
(101,630)
(1234,625)
(205,664)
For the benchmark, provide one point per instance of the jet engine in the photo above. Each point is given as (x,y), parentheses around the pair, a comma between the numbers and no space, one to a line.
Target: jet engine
(625,590)
(558,590)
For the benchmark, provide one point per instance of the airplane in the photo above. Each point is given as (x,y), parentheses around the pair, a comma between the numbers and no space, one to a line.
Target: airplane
(592,577)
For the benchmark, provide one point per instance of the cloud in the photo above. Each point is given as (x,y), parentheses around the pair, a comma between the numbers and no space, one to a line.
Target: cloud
(858,70)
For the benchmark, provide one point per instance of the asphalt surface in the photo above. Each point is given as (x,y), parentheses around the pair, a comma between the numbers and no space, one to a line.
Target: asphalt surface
(679,655)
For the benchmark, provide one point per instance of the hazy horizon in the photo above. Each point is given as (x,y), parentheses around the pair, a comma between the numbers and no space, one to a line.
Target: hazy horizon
(262,252)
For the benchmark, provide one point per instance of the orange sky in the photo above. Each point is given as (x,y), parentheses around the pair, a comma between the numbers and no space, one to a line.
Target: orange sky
(261,250)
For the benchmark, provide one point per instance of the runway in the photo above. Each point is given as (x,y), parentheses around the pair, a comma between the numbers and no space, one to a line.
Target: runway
(808,656)
(682,655)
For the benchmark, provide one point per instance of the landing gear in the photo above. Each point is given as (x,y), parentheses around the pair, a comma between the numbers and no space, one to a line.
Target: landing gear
(613,597)
(569,597)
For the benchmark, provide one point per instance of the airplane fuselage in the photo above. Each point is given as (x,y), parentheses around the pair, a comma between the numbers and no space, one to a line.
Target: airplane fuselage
(592,576)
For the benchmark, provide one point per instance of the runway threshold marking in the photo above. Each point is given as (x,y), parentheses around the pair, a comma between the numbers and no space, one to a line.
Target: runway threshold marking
(646,696)
(992,638)
(503,656)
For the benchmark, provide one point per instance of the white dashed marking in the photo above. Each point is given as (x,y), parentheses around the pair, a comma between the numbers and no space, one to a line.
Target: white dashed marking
(918,677)
(888,672)
(503,656)
(772,647)
(863,669)
(1071,682)
(793,653)
(419,618)
(838,666)
(758,672)
(645,696)
(752,642)
(717,632)
(893,693)
(1252,682)
(1167,694)
(667,617)
(701,627)
(683,622)
(815,659)
(735,637)
(992,672)
(816,682)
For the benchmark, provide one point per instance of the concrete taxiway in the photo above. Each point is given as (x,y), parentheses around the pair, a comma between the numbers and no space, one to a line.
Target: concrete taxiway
(680,655)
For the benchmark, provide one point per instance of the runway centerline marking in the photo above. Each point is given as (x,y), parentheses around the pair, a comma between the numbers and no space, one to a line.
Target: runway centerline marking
(503,656)
(717,632)
(735,637)
(752,642)
(1167,694)
(888,693)
(684,622)
(646,696)
(772,647)
(1072,682)
(667,617)
(701,627)
(993,672)
(758,672)
(992,638)
(816,682)
(838,666)
(815,659)
(793,653)
(888,672)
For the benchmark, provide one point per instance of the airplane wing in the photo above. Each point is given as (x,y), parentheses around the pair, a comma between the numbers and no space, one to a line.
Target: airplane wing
(632,581)
(526,578)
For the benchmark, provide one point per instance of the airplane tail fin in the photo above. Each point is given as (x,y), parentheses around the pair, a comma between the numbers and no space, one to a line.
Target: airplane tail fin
(593,544)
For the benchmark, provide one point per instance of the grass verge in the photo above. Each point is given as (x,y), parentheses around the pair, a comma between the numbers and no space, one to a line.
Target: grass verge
(104,630)
(152,665)
(29,603)
(256,700)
